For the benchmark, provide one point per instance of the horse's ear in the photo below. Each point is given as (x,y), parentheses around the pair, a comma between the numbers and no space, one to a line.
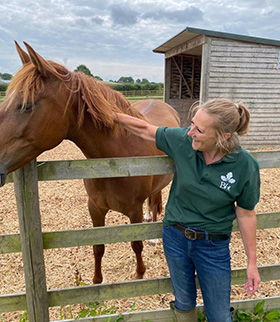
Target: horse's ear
(22,54)
(41,64)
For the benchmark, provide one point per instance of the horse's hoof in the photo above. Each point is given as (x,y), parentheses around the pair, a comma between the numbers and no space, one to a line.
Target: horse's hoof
(139,275)
(97,280)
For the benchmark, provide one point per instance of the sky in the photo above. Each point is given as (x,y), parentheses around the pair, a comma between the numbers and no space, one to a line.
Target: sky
(116,38)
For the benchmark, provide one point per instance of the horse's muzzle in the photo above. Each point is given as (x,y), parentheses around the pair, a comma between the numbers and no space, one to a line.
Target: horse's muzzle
(3,174)
(3,177)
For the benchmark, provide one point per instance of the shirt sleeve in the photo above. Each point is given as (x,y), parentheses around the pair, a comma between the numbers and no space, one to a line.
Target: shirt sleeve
(169,140)
(251,191)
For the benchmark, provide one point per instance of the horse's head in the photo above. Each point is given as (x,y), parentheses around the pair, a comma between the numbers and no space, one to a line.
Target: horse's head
(33,116)
(37,115)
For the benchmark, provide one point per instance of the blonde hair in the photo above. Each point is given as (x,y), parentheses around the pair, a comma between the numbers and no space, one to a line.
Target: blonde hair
(229,117)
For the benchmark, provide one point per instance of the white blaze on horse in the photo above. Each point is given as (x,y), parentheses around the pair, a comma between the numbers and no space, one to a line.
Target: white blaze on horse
(46,103)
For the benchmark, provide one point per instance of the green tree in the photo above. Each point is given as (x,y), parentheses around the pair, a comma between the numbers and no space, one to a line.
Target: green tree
(6,76)
(125,80)
(3,87)
(99,78)
(145,81)
(83,69)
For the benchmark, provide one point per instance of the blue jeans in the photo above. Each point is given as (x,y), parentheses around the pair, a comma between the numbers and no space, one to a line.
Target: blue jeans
(211,261)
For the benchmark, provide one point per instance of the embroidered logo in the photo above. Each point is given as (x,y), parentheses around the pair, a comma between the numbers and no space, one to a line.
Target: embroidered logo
(227,180)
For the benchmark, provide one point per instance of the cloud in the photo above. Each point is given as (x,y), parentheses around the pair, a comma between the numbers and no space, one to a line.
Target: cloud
(97,20)
(188,15)
(123,15)
(122,33)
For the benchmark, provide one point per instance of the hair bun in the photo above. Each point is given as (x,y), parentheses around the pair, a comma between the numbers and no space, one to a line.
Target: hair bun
(244,114)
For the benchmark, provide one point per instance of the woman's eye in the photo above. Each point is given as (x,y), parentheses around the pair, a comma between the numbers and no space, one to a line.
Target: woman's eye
(192,124)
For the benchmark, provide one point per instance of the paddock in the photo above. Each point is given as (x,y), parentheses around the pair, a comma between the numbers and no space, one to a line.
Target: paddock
(63,207)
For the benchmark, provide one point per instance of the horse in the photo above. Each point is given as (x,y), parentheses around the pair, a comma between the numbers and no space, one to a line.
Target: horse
(46,103)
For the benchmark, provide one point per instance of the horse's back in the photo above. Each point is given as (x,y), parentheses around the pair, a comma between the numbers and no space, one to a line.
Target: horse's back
(158,113)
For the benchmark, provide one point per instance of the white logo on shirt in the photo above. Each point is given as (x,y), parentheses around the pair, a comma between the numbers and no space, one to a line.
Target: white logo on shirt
(227,180)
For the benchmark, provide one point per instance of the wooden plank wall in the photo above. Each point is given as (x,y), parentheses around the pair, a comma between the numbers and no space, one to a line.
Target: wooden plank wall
(248,72)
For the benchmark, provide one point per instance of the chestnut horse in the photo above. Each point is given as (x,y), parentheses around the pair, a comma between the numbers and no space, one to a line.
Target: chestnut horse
(46,103)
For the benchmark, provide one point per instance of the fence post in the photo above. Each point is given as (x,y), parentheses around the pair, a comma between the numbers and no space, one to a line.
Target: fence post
(26,191)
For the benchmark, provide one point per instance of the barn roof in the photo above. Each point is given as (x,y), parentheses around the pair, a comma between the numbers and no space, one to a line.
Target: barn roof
(190,33)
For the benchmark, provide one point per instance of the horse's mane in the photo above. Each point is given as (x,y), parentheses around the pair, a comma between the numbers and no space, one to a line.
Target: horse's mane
(92,96)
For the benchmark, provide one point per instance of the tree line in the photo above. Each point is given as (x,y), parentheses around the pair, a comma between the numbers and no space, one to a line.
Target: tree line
(124,83)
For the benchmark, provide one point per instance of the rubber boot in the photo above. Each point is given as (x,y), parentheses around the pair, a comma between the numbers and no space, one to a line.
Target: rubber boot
(184,316)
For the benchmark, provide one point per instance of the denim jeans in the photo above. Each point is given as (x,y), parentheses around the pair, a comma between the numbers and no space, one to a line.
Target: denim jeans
(211,261)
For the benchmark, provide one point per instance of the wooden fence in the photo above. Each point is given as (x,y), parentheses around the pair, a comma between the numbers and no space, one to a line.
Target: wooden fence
(31,241)
(143,93)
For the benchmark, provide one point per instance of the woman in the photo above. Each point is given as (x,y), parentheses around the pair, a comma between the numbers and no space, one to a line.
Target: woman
(215,182)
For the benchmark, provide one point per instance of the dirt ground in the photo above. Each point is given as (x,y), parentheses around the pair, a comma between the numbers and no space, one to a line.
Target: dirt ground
(63,206)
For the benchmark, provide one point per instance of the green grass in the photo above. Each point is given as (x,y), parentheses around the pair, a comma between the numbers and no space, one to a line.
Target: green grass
(136,99)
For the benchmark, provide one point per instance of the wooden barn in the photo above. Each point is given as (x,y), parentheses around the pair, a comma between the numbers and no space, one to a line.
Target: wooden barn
(204,64)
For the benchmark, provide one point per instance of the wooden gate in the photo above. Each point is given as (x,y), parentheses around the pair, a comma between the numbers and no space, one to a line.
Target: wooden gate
(31,241)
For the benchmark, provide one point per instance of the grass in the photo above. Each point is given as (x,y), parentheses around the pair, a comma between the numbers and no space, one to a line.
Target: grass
(140,98)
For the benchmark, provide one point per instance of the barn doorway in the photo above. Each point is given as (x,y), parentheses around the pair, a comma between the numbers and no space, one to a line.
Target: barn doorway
(183,88)
(185,77)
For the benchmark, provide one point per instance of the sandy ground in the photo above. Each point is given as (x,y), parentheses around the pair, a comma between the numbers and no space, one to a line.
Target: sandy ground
(63,206)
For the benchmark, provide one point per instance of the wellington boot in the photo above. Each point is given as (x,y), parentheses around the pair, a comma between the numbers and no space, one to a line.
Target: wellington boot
(184,316)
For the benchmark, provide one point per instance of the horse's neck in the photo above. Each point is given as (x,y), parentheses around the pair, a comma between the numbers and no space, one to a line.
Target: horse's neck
(97,143)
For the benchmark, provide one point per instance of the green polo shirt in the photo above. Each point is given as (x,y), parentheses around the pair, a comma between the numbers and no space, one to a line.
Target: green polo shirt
(204,196)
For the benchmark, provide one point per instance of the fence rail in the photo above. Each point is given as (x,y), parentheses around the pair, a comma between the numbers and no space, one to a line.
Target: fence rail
(143,92)
(32,241)
(115,234)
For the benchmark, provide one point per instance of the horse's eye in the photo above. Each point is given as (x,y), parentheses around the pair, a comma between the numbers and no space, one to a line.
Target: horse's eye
(26,107)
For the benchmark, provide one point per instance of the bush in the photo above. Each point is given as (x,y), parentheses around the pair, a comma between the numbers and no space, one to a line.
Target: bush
(3,87)
(136,86)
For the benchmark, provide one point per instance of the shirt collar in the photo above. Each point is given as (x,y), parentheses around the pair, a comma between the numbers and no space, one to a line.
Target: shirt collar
(228,158)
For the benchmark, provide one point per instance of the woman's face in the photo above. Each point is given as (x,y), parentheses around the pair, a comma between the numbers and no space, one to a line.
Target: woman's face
(202,132)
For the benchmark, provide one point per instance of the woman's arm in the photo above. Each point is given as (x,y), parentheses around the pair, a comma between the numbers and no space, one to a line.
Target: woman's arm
(247,223)
(137,126)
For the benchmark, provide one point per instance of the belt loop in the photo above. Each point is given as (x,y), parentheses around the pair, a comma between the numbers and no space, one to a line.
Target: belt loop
(206,235)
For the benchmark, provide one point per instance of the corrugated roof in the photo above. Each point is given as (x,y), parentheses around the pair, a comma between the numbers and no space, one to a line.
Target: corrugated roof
(189,33)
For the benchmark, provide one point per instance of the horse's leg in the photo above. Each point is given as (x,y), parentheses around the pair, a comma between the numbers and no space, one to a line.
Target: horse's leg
(154,205)
(137,246)
(98,219)
(147,215)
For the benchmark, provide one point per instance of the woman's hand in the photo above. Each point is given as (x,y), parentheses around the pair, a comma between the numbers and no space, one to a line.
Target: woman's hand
(247,223)
(253,279)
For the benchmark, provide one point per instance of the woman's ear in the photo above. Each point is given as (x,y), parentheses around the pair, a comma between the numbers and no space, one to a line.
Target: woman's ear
(227,136)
